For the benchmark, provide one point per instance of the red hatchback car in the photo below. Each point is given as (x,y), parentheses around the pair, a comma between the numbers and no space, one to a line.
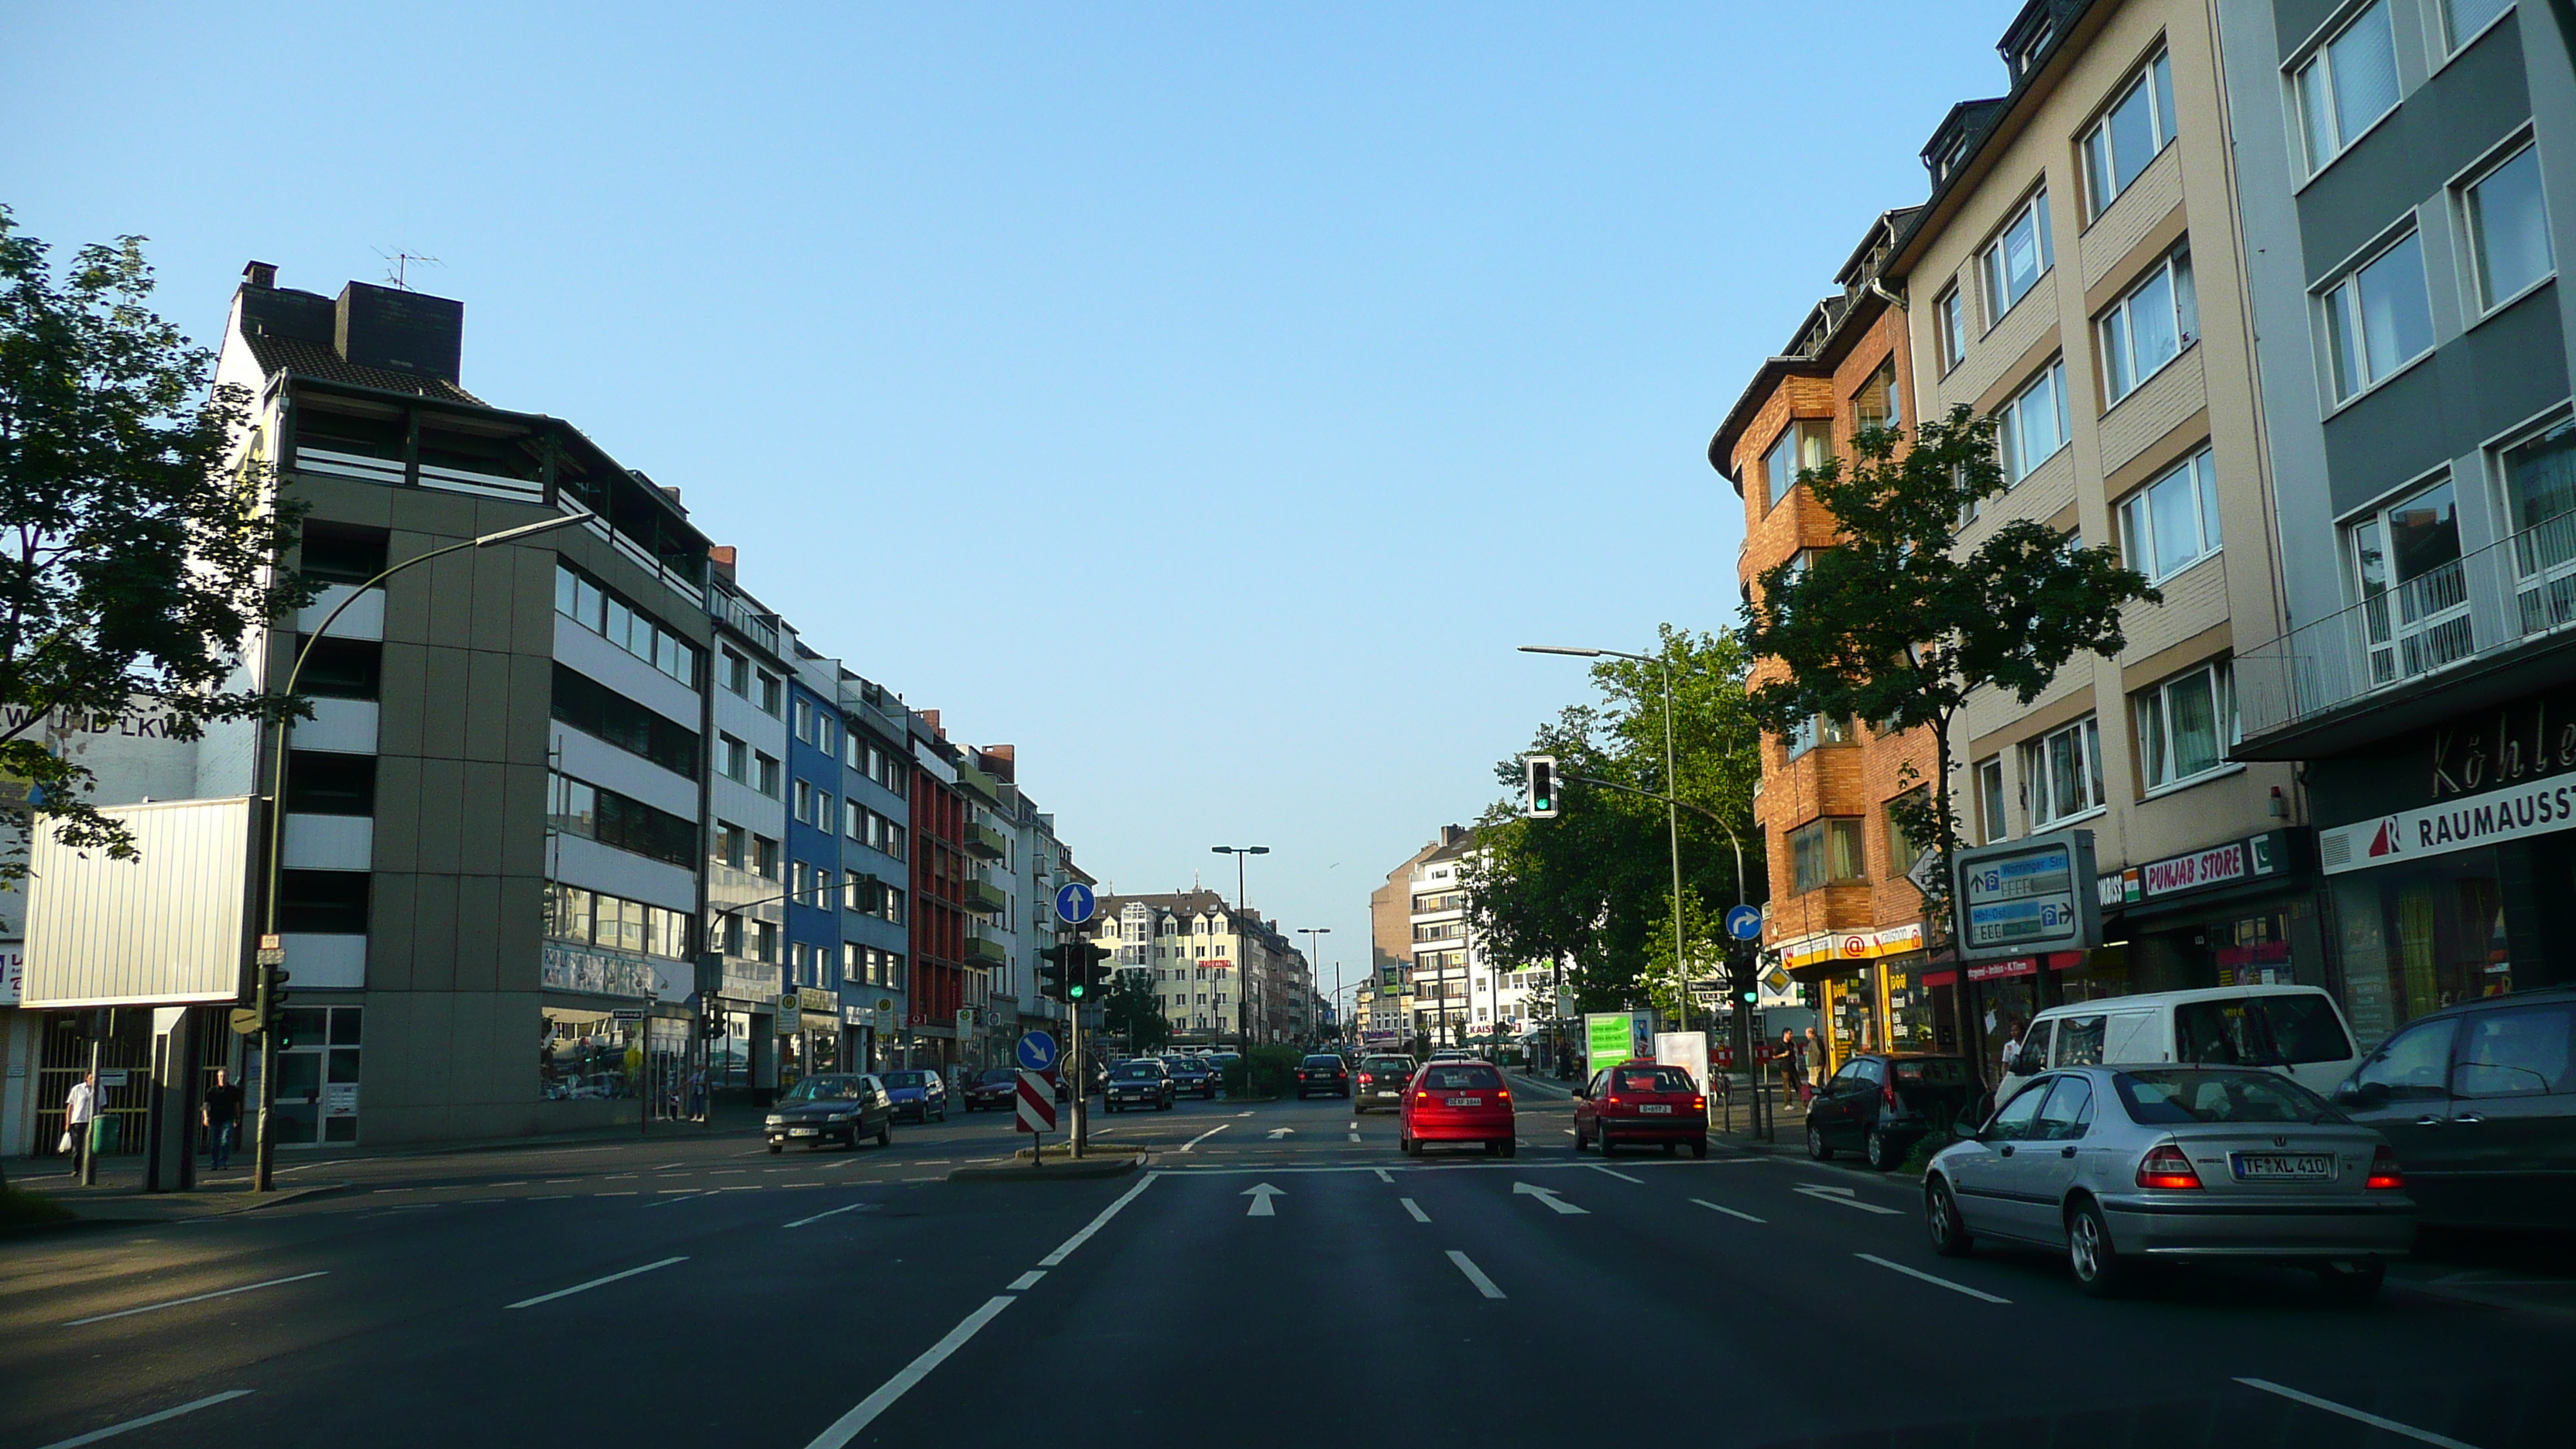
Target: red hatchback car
(1457,1102)
(1641,1102)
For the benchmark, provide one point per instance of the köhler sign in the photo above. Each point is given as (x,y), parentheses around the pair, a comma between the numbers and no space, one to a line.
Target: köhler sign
(2035,894)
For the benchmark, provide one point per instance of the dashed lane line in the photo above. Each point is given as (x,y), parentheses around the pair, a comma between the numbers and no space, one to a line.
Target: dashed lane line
(1065,1249)
(1415,1208)
(1474,1274)
(594,1283)
(1614,1172)
(194,1298)
(1730,1212)
(1027,1280)
(2421,1436)
(833,1213)
(1931,1278)
(1384,1176)
(163,1417)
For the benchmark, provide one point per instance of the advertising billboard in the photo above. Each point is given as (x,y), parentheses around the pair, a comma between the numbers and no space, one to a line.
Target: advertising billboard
(169,926)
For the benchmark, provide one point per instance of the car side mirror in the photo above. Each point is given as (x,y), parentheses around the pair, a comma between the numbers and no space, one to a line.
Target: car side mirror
(2362,1094)
(1966,1124)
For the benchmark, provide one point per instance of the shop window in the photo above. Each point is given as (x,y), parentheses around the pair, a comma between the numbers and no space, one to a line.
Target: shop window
(2136,130)
(2186,726)
(1991,822)
(581,1055)
(2379,317)
(2061,773)
(1825,852)
(2413,592)
(2518,1052)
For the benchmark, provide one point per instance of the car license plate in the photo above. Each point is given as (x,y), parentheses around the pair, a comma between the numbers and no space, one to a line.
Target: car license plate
(2282,1166)
(1656,1109)
(800,1131)
(1466,1101)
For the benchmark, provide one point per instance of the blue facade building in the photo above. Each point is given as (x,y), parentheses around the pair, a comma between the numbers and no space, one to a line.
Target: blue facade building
(814,740)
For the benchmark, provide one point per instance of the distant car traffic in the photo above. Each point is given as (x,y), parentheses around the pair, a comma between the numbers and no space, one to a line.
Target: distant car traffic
(1323,1074)
(1191,1076)
(843,1105)
(2120,1167)
(920,1095)
(1139,1082)
(996,1087)
(1457,1102)
(1883,1103)
(1641,1102)
(1381,1082)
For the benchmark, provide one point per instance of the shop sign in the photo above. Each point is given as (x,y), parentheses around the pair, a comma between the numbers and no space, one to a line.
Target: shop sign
(2517,813)
(2031,894)
(2219,865)
(2004,970)
(569,967)
(2522,744)
(857,1016)
(815,999)
(13,971)
(1852,946)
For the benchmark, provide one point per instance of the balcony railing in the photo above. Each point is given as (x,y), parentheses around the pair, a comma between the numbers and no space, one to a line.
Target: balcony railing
(984,896)
(984,950)
(984,840)
(2516,589)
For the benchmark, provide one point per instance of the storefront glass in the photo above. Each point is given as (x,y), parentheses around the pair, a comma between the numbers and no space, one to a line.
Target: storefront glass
(2419,936)
(1909,1006)
(586,1055)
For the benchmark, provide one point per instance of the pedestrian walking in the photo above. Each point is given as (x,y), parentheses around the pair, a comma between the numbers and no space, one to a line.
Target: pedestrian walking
(1817,1060)
(80,1108)
(221,1115)
(1793,1066)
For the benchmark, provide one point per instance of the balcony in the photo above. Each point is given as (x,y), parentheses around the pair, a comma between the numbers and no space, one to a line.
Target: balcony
(2477,606)
(984,841)
(979,785)
(984,896)
(985,950)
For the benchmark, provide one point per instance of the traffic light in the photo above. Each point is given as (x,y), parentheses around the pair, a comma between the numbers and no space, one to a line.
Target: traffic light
(1542,787)
(272,1004)
(1086,975)
(1051,975)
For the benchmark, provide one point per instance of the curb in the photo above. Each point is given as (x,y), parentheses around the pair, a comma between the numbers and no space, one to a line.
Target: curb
(108,1212)
(1087,1170)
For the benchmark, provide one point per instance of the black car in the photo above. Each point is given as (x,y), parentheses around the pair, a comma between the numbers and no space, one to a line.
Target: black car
(1324,1074)
(1140,1082)
(1381,1081)
(838,1106)
(995,1087)
(1191,1077)
(1884,1103)
(2479,1099)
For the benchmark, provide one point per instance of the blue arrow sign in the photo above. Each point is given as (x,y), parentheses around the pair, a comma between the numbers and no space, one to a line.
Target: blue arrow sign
(1073,903)
(1744,923)
(1037,1051)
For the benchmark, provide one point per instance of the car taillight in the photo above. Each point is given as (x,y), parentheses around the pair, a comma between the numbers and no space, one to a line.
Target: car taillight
(1699,1104)
(2166,1167)
(1614,1100)
(1422,1096)
(2384,1172)
(1504,1095)
(1887,1094)
(1365,1079)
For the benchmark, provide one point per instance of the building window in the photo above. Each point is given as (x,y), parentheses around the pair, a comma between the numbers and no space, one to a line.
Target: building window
(2061,773)
(2508,228)
(737,672)
(1991,823)
(1876,405)
(2379,317)
(767,769)
(1817,730)
(2172,523)
(2033,426)
(2149,327)
(2464,20)
(2539,492)
(733,757)
(1950,328)
(579,598)
(1903,850)
(1826,852)
(2186,725)
(2018,257)
(730,844)
(2349,83)
(1805,443)
(2138,127)
(764,857)
(2406,570)
(770,692)
(804,803)
(764,936)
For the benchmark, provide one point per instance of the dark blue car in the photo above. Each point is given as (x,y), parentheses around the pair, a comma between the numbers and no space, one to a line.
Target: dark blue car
(921,1095)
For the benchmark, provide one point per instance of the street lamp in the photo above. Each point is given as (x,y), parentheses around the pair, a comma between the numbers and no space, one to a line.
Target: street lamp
(263,1177)
(1242,962)
(1314,948)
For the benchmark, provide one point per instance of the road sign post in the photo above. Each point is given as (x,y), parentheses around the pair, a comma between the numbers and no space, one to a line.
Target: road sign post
(1037,1112)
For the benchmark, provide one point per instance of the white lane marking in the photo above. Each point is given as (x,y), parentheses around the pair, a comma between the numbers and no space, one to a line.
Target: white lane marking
(660,1166)
(1065,1250)
(559,1181)
(1415,1208)
(1384,1176)
(1355,1124)
(1568,1131)
(1614,1172)
(1202,1137)
(2424,1436)
(522,1182)
(834,1213)
(196,1298)
(1546,1195)
(1275,1133)
(1261,1193)
(621,1192)
(1730,1212)
(380,1190)
(1930,1278)
(1842,1197)
(1355,1137)
(1027,1280)
(112,1430)
(847,1427)
(594,1283)
(1243,1114)
(1475,1274)
(684,1196)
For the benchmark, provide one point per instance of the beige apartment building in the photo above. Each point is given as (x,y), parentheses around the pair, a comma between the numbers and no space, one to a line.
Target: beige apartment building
(2075,276)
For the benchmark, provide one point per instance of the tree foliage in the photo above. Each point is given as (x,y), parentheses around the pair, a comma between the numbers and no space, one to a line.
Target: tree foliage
(136,555)
(1590,891)
(1129,1009)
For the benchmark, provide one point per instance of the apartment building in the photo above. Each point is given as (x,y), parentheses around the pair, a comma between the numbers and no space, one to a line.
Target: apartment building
(876,828)
(2406,170)
(941,1017)
(2075,276)
(1382,1006)
(1220,975)
(1842,912)
(745,725)
(814,883)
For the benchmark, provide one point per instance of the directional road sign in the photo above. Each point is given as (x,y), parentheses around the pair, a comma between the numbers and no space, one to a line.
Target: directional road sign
(1037,1052)
(1744,923)
(1073,902)
(1037,1103)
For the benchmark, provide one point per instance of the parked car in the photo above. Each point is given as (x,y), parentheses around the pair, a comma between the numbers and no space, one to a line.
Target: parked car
(1641,1101)
(1191,1076)
(1323,1074)
(843,1105)
(2479,1100)
(1381,1082)
(996,1087)
(1883,1103)
(2119,1167)
(919,1094)
(1139,1082)
(2297,1031)
(1457,1102)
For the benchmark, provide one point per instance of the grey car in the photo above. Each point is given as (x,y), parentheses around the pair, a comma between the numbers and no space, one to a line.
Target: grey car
(2116,1167)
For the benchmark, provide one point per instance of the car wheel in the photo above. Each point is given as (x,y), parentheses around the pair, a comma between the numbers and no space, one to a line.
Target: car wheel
(1602,1141)
(943,1114)
(2099,1269)
(1881,1153)
(1671,1148)
(1816,1147)
(2351,1285)
(885,1134)
(1493,1148)
(1941,1215)
(1699,1148)
(777,1147)
(1511,1147)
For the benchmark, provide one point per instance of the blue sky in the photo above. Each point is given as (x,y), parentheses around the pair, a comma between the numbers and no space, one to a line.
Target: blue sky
(1205,399)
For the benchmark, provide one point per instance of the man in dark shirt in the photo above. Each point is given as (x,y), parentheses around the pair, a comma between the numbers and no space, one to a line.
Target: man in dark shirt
(222,1116)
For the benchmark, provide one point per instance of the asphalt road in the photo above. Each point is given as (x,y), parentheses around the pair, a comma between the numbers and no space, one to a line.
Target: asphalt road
(1278,1276)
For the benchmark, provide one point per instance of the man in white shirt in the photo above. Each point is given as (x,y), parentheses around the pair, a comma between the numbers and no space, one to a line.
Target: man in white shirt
(78,1110)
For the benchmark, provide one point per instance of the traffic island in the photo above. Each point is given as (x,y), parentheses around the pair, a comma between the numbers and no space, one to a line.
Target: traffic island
(1099,1159)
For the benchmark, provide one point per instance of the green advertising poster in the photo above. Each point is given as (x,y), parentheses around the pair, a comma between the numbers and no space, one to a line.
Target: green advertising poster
(1609,1037)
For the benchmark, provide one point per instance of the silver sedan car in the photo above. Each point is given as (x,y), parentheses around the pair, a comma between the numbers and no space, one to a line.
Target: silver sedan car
(2118,1166)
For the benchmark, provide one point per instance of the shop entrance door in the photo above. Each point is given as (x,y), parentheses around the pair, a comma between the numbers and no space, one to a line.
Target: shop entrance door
(317,1078)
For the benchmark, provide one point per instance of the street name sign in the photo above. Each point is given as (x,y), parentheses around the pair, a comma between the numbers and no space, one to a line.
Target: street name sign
(2036,894)
(1074,903)
(1037,1103)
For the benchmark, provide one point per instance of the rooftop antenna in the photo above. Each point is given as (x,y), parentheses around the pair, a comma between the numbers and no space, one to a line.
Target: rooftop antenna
(398,266)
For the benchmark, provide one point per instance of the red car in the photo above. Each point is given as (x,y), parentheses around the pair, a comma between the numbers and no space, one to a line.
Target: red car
(1641,1102)
(1457,1102)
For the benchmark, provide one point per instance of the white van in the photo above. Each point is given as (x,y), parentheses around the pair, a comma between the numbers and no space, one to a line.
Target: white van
(2295,1030)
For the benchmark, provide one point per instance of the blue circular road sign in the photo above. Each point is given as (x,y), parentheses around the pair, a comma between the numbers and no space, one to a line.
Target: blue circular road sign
(1037,1051)
(1744,923)
(1073,902)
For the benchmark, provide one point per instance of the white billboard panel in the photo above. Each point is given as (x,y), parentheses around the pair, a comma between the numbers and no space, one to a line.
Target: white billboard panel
(171,926)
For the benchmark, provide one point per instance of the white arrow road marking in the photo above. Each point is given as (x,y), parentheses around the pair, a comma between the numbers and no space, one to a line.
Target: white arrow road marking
(194,1298)
(594,1283)
(1275,1133)
(1842,1197)
(1415,1208)
(1355,1124)
(1261,1193)
(2422,1436)
(1476,1275)
(1546,1196)
(1730,1212)
(1202,1137)
(1355,1137)
(1623,1177)
(1929,1278)
(112,1430)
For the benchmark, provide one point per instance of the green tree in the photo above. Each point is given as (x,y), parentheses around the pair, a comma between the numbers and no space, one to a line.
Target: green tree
(1899,624)
(139,549)
(1129,1009)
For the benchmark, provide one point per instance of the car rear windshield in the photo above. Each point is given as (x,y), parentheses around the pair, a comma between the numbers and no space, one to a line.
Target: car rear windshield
(1136,1071)
(825,1089)
(1932,1072)
(2260,1031)
(1460,1079)
(906,1079)
(2170,1098)
(1396,1065)
(1323,1061)
(998,1074)
(1655,1079)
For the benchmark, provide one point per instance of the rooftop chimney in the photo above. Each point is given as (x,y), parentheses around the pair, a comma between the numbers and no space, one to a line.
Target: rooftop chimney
(930,717)
(260,276)
(722,556)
